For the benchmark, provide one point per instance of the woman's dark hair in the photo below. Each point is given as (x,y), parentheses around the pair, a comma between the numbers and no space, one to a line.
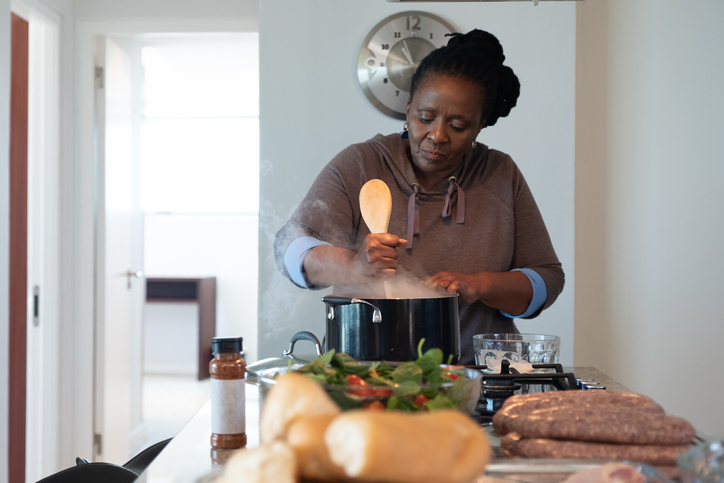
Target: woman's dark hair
(478,56)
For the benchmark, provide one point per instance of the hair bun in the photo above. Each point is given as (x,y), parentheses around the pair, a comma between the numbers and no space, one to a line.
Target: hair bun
(478,56)
(484,42)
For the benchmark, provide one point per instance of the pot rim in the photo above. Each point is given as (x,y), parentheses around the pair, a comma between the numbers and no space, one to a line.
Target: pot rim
(378,297)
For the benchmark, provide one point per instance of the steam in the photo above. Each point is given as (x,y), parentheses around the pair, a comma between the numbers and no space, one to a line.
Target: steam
(279,297)
(404,285)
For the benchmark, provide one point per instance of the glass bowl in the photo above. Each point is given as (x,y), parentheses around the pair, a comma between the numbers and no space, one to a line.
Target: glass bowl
(522,350)
(461,394)
(703,464)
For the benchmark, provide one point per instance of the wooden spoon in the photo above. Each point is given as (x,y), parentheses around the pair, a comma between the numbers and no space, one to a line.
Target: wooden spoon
(375,203)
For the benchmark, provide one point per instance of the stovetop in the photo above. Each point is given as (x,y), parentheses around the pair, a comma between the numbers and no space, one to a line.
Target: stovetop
(498,387)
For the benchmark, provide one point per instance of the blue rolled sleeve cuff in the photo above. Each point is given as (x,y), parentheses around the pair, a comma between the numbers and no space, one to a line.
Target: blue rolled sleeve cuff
(540,293)
(294,256)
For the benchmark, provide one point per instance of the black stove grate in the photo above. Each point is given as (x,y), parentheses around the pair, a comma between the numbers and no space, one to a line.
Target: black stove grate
(496,388)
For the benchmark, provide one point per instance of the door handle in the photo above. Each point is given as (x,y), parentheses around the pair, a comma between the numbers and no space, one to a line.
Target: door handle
(131,274)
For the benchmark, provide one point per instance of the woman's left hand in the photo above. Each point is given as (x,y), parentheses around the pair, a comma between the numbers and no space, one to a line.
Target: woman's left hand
(468,286)
(509,292)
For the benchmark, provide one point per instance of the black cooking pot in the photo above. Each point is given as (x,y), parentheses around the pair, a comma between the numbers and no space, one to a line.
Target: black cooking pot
(371,329)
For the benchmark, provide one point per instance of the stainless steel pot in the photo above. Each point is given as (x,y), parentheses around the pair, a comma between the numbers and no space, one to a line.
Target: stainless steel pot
(371,329)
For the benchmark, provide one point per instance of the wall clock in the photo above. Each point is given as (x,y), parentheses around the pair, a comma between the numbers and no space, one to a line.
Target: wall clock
(390,54)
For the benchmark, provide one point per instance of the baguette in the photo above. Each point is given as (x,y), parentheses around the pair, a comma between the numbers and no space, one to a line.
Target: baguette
(444,446)
(271,463)
(293,396)
(305,435)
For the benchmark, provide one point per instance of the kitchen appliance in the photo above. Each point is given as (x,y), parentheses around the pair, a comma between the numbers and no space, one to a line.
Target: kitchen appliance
(496,388)
(389,329)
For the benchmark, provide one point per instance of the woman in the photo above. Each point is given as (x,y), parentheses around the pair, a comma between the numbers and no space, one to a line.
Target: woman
(461,212)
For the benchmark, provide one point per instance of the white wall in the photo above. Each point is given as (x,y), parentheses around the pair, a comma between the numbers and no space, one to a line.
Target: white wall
(4,226)
(222,246)
(312,107)
(649,226)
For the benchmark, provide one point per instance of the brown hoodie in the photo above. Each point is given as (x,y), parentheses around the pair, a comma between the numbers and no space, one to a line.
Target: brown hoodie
(494,224)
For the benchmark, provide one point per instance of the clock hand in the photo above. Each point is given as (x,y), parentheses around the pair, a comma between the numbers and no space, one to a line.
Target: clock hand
(406,51)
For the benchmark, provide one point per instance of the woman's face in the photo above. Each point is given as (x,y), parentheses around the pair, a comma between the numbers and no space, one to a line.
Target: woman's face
(444,117)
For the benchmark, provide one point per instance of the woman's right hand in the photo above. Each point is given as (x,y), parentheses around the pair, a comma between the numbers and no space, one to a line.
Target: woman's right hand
(375,260)
(377,256)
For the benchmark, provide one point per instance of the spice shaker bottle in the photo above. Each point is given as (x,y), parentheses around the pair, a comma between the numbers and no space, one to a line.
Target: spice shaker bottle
(228,405)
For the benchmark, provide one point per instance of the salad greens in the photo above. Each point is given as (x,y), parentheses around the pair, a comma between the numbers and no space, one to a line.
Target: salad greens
(423,384)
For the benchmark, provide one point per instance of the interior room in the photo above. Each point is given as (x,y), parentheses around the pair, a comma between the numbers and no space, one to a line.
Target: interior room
(617,131)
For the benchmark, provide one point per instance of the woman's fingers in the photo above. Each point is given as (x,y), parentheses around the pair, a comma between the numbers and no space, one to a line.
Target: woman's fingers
(461,283)
(378,254)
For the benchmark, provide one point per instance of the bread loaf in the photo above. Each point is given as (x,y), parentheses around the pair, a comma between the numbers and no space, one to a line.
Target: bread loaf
(305,435)
(444,446)
(271,463)
(293,396)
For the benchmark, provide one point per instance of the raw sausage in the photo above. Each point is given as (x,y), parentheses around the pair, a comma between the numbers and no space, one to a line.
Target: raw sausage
(519,405)
(515,445)
(603,424)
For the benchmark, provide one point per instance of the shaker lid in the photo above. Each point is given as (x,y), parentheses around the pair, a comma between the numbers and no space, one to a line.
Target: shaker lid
(225,345)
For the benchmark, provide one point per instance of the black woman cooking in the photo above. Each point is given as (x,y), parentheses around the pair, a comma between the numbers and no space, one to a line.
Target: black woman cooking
(463,217)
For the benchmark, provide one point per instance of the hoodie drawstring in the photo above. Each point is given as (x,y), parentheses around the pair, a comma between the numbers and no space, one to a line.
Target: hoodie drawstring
(413,217)
(413,209)
(447,209)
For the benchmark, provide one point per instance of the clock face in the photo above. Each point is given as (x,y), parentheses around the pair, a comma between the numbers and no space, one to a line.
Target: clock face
(391,53)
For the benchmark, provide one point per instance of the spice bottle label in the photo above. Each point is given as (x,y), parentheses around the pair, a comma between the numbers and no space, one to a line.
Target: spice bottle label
(228,406)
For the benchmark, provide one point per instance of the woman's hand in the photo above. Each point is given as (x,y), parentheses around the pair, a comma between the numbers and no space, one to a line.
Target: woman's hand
(375,260)
(377,257)
(509,292)
(468,286)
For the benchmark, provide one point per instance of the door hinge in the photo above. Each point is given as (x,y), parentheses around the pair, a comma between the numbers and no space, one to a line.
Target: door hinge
(97,443)
(36,305)
(100,76)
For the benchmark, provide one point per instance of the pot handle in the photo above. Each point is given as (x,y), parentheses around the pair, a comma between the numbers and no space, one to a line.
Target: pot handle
(303,335)
(334,300)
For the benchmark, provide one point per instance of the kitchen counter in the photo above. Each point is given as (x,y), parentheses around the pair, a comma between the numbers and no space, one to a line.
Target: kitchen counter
(188,457)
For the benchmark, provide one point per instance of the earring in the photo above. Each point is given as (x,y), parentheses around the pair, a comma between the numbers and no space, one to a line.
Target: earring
(404,127)
(474,144)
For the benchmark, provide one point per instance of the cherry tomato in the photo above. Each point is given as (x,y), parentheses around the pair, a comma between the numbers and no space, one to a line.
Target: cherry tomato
(382,392)
(375,406)
(357,381)
(420,400)
(452,376)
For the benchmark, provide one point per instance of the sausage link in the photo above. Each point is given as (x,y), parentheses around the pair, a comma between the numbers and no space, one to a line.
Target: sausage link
(518,405)
(606,425)
(515,445)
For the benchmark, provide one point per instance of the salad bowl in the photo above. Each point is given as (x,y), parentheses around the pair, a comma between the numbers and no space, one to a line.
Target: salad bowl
(421,385)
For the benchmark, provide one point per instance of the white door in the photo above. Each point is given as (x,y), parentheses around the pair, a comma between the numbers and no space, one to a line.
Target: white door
(120,287)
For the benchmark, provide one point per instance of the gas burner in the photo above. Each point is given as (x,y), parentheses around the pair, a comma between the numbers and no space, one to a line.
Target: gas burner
(497,387)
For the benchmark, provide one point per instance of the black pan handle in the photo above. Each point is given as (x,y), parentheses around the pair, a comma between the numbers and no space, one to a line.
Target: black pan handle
(337,300)
(303,335)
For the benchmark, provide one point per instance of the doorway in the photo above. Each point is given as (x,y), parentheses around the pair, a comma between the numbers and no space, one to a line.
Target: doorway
(199,197)
(183,110)
(36,278)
